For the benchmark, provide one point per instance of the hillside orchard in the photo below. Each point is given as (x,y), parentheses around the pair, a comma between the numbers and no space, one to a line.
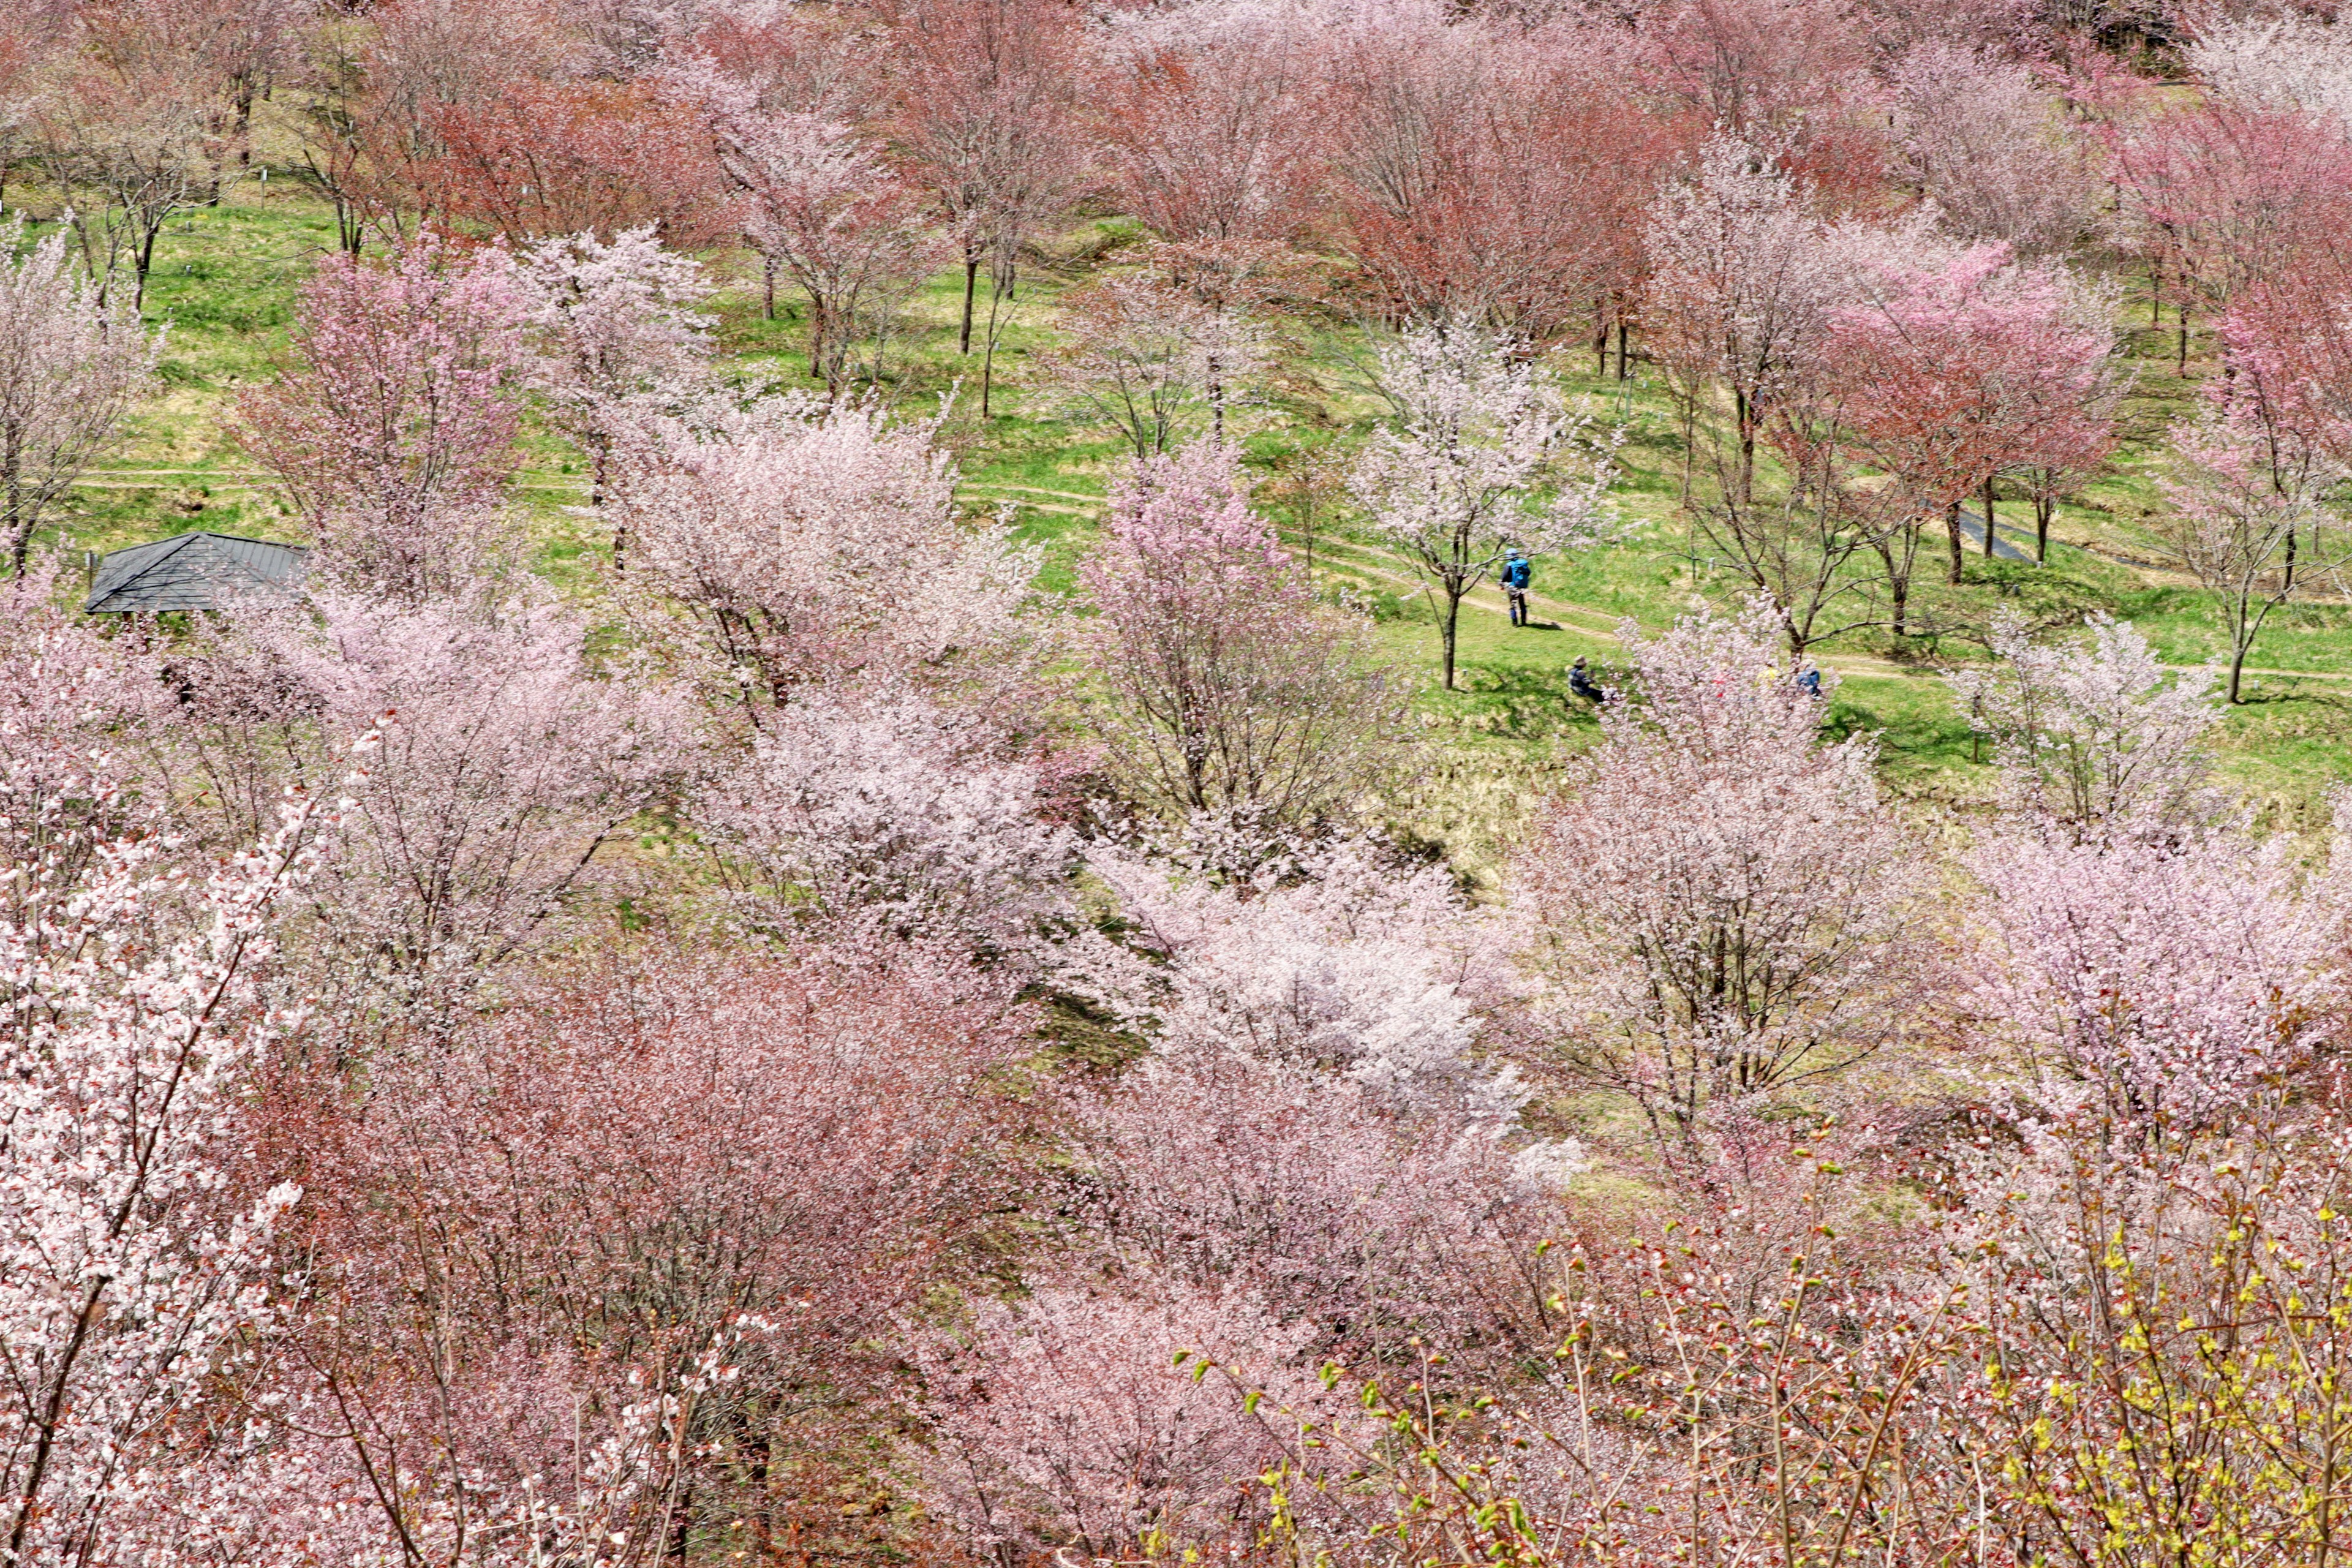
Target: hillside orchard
(894,893)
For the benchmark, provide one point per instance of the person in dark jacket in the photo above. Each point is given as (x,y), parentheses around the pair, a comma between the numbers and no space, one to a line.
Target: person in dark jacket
(1517,573)
(1581,684)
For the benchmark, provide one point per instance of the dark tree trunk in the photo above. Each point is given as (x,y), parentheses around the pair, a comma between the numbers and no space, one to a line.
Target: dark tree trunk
(1952,527)
(1987,519)
(970,288)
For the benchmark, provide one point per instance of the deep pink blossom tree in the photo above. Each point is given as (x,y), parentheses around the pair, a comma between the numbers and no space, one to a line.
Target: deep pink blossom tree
(393,430)
(1232,692)
(1948,375)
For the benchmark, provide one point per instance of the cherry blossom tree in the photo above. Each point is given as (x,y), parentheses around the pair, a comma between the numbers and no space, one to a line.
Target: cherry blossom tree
(1948,375)
(562,1214)
(1744,276)
(1070,1418)
(1725,906)
(2163,982)
(70,371)
(1991,149)
(1340,959)
(1482,179)
(537,159)
(1144,358)
(506,764)
(393,431)
(2243,502)
(1208,137)
(132,1269)
(1233,693)
(1453,480)
(805,542)
(2097,737)
(617,325)
(816,201)
(986,103)
(897,812)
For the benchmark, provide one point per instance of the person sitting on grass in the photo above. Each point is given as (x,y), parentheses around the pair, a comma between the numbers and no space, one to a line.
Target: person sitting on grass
(1581,684)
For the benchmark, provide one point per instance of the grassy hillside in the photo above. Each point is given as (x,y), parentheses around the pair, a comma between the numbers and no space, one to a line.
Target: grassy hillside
(224,285)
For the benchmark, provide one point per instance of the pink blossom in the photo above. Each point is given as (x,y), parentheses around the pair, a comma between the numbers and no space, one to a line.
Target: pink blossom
(393,431)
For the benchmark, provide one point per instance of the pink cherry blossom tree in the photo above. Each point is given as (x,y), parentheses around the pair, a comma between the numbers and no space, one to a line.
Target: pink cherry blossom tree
(2245,501)
(2095,736)
(617,325)
(1948,375)
(1071,1419)
(2156,985)
(794,541)
(538,1229)
(986,105)
(507,761)
(69,372)
(1992,149)
(1232,692)
(1146,359)
(1482,454)
(393,430)
(818,203)
(1725,906)
(1744,273)
(892,812)
(134,1268)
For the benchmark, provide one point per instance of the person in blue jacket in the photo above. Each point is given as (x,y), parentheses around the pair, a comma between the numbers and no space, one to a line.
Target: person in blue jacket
(1517,573)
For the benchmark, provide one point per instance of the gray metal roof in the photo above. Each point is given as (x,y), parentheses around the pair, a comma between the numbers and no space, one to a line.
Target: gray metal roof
(195,571)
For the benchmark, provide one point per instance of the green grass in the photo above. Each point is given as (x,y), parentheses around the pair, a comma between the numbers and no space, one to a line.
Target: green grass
(225,284)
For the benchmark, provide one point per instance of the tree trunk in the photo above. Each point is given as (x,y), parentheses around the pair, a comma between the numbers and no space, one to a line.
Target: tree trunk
(2237,669)
(1600,339)
(1988,518)
(2183,366)
(1952,526)
(1445,633)
(970,288)
(768,286)
(2042,506)
(1621,344)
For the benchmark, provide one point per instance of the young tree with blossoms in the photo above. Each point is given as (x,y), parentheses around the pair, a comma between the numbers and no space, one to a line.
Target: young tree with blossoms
(1744,276)
(986,103)
(69,372)
(1453,480)
(1232,693)
(393,430)
(2244,501)
(1725,906)
(1143,358)
(2098,737)
(818,201)
(617,331)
